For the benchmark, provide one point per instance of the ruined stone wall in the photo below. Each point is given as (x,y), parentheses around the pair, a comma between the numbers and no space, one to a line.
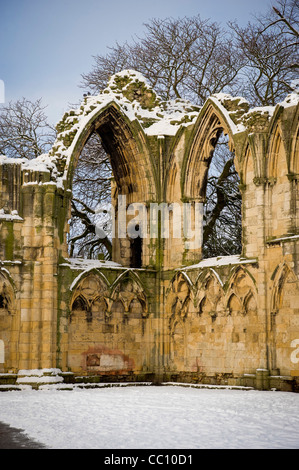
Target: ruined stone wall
(228,320)
(107,322)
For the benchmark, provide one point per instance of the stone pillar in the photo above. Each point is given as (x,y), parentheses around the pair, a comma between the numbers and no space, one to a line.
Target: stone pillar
(38,299)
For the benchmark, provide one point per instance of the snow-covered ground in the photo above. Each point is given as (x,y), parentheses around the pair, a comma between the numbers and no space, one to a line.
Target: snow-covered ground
(151,417)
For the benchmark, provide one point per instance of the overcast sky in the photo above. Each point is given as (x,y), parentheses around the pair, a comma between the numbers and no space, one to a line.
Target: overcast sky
(46,45)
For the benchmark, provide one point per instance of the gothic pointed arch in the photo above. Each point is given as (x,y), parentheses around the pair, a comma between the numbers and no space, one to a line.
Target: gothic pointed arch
(205,275)
(8,321)
(89,291)
(7,294)
(171,186)
(181,282)
(294,154)
(179,296)
(172,183)
(250,303)
(240,290)
(79,303)
(211,122)
(210,293)
(90,272)
(281,274)
(234,305)
(130,292)
(128,274)
(249,167)
(274,155)
(125,143)
(284,317)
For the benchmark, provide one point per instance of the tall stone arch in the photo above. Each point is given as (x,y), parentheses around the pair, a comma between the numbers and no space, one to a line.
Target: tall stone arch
(214,119)
(126,145)
(178,302)
(284,319)
(132,165)
(9,322)
(211,122)
(277,187)
(293,174)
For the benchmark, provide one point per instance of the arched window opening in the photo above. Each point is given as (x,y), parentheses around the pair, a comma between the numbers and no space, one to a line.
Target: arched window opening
(222,231)
(91,203)
(3,302)
(136,250)
(79,304)
(106,171)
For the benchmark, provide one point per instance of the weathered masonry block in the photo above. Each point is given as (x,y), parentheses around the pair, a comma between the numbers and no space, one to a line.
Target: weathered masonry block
(176,316)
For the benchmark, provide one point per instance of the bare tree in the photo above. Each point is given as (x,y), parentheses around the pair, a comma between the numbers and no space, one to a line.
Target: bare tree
(285,16)
(24,130)
(186,58)
(270,52)
(222,231)
(91,188)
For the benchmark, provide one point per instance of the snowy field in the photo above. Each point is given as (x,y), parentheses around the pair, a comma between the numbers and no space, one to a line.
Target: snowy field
(150,417)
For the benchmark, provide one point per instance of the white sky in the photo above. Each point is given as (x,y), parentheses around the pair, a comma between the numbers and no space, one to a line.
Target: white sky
(46,45)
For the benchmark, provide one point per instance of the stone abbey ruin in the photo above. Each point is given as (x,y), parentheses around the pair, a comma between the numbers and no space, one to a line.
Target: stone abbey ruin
(159,311)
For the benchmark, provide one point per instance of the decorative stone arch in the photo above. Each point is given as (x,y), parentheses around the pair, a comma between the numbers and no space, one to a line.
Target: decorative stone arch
(281,183)
(280,275)
(249,168)
(128,289)
(79,303)
(80,278)
(241,285)
(234,304)
(176,323)
(213,120)
(250,302)
(173,168)
(133,168)
(294,153)
(126,144)
(210,123)
(180,295)
(205,275)
(179,298)
(8,319)
(284,317)
(88,289)
(82,305)
(293,173)
(275,145)
(7,292)
(127,274)
(209,292)
(180,278)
